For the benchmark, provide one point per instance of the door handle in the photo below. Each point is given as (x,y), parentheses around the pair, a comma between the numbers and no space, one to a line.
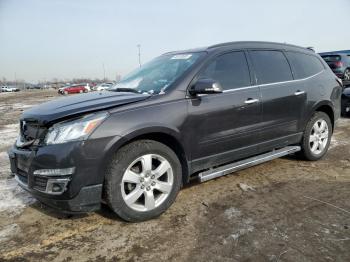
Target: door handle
(251,101)
(298,93)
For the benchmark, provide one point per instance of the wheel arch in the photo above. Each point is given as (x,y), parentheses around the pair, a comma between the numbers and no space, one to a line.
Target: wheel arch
(326,107)
(163,135)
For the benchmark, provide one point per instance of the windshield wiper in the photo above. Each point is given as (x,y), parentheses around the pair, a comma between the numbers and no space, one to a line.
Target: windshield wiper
(124,89)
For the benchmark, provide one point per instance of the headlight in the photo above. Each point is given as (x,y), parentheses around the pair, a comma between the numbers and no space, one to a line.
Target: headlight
(71,130)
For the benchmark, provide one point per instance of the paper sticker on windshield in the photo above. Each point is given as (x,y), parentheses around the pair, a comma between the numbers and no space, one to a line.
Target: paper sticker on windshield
(183,56)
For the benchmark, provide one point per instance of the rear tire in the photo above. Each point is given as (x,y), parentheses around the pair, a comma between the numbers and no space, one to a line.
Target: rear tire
(142,180)
(317,137)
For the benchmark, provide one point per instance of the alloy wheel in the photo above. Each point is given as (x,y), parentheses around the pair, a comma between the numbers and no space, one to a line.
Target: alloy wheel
(347,74)
(319,137)
(147,182)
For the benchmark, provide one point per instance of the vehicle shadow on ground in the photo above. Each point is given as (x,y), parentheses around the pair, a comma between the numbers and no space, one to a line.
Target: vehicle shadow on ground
(51,212)
(105,212)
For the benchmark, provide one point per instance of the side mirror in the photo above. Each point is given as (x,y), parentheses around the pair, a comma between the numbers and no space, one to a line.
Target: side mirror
(205,86)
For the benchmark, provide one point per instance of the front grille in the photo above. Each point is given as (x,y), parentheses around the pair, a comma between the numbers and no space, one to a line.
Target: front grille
(40,183)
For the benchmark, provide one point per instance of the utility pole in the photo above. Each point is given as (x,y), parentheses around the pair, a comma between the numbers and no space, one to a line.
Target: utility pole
(139,48)
(104,72)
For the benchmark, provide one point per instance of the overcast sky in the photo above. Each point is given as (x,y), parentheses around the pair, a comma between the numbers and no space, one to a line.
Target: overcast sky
(42,40)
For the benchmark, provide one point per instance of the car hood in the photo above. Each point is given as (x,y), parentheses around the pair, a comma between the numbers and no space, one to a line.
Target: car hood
(78,104)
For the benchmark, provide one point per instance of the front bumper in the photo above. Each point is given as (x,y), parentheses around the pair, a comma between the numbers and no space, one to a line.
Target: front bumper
(83,190)
(87,200)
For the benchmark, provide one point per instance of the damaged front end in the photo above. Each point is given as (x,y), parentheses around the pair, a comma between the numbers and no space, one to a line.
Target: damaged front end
(62,175)
(22,155)
(31,134)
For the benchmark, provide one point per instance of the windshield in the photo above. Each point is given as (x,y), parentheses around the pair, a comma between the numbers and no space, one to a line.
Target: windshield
(155,76)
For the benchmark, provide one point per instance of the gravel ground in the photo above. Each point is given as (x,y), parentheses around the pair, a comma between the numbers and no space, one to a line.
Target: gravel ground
(292,210)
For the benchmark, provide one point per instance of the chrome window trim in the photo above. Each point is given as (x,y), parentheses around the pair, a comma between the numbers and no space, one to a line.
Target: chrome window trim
(275,83)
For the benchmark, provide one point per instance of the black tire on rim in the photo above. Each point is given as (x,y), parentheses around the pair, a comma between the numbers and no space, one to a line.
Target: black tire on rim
(347,75)
(142,180)
(317,137)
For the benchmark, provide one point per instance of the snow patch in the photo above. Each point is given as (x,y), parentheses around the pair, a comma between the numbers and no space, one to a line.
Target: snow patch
(245,227)
(7,231)
(335,143)
(245,187)
(16,106)
(343,122)
(232,213)
(13,199)
(8,135)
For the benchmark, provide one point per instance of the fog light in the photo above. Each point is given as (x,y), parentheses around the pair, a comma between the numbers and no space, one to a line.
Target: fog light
(55,172)
(56,186)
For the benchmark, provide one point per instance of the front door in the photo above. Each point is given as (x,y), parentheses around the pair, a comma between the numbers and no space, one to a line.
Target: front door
(226,124)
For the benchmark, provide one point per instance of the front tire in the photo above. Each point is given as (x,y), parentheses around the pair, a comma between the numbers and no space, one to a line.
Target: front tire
(317,137)
(143,180)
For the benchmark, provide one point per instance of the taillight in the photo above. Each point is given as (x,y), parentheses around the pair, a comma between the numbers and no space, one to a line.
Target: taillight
(339,64)
(340,82)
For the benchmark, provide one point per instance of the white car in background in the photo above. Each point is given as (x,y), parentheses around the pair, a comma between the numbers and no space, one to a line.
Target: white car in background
(88,88)
(103,86)
(9,89)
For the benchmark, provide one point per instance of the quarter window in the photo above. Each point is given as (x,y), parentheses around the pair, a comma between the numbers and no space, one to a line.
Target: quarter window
(230,70)
(304,65)
(271,67)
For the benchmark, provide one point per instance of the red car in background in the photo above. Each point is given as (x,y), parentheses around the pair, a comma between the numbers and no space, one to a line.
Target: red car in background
(73,89)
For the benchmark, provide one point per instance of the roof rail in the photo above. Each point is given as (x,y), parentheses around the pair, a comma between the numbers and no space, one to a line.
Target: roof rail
(257,42)
(311,48)
(222,44)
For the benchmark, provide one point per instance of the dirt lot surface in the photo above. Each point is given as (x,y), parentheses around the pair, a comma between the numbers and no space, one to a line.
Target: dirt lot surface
(294,211)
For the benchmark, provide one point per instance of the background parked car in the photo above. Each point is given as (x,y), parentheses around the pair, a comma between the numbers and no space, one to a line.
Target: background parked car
(339,63)
(73,89)
(345,102)
(34,87)
(104,86)
(9,89)
(87,86)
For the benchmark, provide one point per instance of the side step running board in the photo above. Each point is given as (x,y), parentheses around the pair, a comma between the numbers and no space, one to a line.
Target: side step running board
(256,160)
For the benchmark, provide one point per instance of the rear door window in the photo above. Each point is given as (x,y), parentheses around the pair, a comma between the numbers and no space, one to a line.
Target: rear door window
(271,66)
(304,65)
(230,70)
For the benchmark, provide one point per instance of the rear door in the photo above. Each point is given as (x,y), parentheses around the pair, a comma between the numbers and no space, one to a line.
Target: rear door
(226,124)
(283,99)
